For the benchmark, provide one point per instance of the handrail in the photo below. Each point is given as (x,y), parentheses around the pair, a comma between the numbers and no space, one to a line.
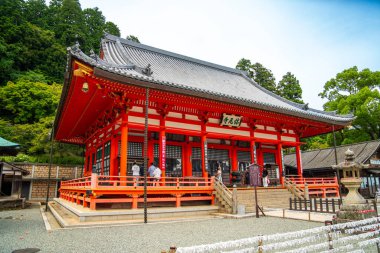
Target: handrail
(224,192)
(317,180)
(294,189)
(80,182)
(101,182)
(312,186)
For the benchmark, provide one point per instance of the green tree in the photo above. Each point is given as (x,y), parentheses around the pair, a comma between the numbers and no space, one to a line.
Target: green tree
(71,26)
(365,105)
(289,88)
(356,92)
(133,38)
(6,62)
(27,102)
(350,81)
(95,22)
(111,28)
(33,42)
(261,75)
(34,140)
(37,13)
(316,142)
(25,46)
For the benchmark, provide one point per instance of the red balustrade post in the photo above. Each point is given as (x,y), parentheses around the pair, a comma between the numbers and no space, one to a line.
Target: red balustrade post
(299,161)
(134,201)
(94,181)
(92,203)
(178,200)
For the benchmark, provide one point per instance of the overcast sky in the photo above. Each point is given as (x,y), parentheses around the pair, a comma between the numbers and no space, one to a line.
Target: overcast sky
(312,39)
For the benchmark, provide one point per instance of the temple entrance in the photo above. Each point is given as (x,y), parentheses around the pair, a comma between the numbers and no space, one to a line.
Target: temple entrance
(173,161)
(244,159)
(135,155)
(216,158)
(196,162)
(272,168)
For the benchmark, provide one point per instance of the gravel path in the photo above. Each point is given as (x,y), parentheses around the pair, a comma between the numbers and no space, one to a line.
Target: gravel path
(25,229)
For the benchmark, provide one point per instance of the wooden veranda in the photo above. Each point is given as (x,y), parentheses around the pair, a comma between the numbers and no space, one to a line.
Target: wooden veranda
(89,191)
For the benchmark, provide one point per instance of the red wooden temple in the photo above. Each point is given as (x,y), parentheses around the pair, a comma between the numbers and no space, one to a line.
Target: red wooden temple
(200,116)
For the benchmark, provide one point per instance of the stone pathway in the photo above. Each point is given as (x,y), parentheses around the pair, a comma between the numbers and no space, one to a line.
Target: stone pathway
(20,229)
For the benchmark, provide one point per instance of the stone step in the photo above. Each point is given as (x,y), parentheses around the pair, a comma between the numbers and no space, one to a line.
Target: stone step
(272,198)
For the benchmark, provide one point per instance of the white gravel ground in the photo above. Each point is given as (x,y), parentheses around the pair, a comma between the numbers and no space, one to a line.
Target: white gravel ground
(25,229)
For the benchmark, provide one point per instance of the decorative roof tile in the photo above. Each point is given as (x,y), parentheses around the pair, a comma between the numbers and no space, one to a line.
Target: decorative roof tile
(130,59)
(325,158)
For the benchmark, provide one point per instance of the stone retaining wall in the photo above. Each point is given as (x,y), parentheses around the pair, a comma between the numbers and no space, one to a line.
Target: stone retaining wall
(37,170)
(35,184)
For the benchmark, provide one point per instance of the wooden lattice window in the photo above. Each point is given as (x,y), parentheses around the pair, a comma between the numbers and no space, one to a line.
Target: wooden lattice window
(107,153)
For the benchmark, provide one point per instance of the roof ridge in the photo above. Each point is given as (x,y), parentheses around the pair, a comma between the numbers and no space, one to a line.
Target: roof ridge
(298,105)
(317,153)
(341,146)
(216,66)
(171,54)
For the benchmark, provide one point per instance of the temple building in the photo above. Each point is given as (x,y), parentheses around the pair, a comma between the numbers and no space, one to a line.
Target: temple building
(200,115)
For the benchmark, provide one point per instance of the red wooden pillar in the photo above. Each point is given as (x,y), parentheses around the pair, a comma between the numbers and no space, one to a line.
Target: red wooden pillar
(299,161)
(279,161)
(252,146)
(124,146)
(150,151)
(189,168)
(253,151)
(204,151)
(234,159)
(185,156)
(113,156)
(162,147)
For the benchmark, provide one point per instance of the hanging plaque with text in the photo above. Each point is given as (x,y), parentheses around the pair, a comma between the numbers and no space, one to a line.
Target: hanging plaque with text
(231,120)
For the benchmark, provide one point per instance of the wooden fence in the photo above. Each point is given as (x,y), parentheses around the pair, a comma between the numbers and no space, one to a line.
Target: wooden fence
(315,205)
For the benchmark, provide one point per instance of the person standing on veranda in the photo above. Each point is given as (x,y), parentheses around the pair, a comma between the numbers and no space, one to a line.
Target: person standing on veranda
(136,172)
(151,170)
(157,176)
(218,174)
(265,177)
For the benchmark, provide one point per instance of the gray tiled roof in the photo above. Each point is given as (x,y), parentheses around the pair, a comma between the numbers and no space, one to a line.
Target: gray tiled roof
(324,158)
(127,58)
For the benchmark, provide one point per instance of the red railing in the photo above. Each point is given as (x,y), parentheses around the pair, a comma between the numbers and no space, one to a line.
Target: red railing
(314,180)
(90,191)
(78,182)
(317,186)
(101,182)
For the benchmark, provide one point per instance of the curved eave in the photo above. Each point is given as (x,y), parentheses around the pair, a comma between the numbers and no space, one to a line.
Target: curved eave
(110,72)
(64,94)
(182,89)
